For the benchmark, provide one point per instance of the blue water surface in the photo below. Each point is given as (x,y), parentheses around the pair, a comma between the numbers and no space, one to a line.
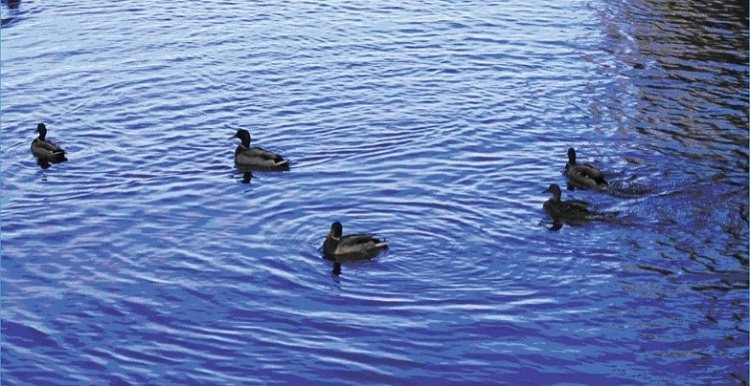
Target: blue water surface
(147,258)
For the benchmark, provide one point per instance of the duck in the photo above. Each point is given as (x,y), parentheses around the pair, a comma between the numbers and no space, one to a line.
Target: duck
(574,212)
(44,149)
(584,176)
(351,247)
(256,158)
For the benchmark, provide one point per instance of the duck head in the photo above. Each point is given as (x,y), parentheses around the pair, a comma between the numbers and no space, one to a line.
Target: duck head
(555,190)
(336,231)
(332,240)
(571,156)
(42,130)
(244,136)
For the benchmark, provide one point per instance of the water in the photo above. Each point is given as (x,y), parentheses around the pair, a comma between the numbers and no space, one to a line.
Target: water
(146,259)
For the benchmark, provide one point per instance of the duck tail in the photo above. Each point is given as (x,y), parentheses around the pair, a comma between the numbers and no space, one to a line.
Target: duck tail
(281,163)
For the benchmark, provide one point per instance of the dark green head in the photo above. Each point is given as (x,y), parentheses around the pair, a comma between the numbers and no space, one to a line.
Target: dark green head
(244,136)
(336,230)
(42,130)
(572,156)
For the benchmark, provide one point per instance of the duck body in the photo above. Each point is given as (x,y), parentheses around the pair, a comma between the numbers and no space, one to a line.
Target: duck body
(583,176)
(256,158)
(351,247)
(574,212)
(44,149)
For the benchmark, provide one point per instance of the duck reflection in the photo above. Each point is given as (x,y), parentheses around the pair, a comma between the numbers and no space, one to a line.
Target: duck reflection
(247,172)
(46,163)
(349,260)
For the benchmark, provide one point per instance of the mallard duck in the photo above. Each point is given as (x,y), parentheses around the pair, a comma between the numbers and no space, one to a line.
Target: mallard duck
(256,158)
(574,212)
(351,247)
(583,176)
(44,149)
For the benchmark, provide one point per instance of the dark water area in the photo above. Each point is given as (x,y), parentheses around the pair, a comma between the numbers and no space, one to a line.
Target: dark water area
(148,258)
(684,94)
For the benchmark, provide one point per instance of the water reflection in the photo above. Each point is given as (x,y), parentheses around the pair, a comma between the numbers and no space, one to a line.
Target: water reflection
(12,5)
(247,176)
(693,90)
(682,90)
(620,188)
(247,171)
(338,261)
(45,163)
(690,99)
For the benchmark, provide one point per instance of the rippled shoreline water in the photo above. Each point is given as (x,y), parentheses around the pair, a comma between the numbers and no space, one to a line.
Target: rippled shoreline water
(146,259)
